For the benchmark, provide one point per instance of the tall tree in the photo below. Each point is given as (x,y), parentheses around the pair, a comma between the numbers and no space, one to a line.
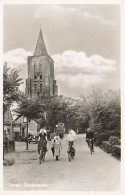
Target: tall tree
(31,109)
(11,83)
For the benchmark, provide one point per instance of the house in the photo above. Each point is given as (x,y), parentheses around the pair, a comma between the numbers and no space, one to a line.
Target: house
(19,128)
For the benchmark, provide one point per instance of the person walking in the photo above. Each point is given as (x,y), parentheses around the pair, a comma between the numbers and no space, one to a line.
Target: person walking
(57,145)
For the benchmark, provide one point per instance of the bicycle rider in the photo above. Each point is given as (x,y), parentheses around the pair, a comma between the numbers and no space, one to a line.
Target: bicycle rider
(71,138)
(42,136)
(90,136)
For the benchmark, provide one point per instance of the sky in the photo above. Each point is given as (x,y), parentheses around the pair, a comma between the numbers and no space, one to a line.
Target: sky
(83,40)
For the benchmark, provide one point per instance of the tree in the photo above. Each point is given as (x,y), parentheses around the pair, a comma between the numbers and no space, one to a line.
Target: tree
(11,82)
(63,109)
(103,108)
(55,110)
(31,109)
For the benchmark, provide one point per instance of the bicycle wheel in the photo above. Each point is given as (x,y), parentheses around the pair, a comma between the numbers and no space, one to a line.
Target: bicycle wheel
(40,159)
(72,155)
(69,157)
(43,157)
(91,148)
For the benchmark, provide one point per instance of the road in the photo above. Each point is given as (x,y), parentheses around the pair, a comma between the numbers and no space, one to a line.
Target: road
(97,172)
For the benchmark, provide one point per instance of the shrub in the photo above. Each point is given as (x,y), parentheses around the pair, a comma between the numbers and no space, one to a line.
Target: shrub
(116,151)
(9,146)
(8,162)
(114,140)
(106,146)
(116,132)
(101,136)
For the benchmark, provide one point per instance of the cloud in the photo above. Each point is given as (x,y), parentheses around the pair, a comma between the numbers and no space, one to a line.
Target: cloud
(75,69)
(55,14)
(66,15)
(17,59)
(99,19)
(72,69)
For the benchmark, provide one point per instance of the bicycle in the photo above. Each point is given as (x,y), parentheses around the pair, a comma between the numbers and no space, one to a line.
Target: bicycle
(42,156)
(42,152)
(71,152)
(91,145)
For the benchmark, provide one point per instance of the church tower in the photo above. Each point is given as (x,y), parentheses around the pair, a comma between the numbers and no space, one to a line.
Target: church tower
(40,81)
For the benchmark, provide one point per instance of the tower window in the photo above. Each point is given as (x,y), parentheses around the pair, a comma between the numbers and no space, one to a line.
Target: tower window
(35,77)
(38,93)
(40,85)
(40,76)
(35,86)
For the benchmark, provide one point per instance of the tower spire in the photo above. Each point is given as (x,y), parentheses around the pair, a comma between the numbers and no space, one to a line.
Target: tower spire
(40,46)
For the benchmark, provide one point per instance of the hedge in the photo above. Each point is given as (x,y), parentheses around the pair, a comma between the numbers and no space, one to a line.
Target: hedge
(101,136)
(106,146)
(116,150)
(114,140)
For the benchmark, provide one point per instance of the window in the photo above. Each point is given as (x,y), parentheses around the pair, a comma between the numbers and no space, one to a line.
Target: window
(40,76)
(35,77)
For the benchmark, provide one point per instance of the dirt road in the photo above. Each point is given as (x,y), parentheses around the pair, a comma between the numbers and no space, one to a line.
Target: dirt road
(99,171)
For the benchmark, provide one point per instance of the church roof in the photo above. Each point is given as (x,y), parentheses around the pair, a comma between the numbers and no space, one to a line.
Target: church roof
(40,46)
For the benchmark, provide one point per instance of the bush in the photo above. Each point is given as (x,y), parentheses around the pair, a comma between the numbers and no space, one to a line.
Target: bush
(116,132)
(101,136)
(114,140)
(106,146)
(8,162)
(116,151)
(9,145)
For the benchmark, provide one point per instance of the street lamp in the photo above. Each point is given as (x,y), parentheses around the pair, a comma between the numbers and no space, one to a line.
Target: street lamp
(25,120)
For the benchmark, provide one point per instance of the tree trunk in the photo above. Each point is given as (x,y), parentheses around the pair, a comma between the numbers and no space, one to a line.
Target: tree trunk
(27,136)
(3,134)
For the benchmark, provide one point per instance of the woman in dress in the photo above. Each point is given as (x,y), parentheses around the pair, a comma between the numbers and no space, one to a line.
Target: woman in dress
(57,145)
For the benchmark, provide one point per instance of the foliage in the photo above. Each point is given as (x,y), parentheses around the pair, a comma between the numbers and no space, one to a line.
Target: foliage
(30,108)
(113,140)
(41,121)
(8,162)
(116,151)
(63,109)
(9,145)
(101,136)
(55,110)
(11,82)
(103,109)
(100,110)
(106,146)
